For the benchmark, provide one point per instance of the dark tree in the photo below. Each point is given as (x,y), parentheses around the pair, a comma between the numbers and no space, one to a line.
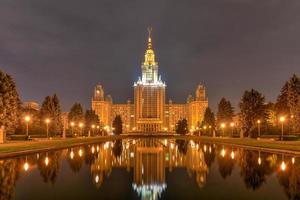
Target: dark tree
(282,106)
(225,111)
(91,119)
(51,109)
(252,108)
(9,103)
(209,119)
(118,125)
(294,101)
(182,127)
(76,113)
(76,116)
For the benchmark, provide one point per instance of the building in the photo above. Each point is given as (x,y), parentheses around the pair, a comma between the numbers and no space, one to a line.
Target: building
(149,111)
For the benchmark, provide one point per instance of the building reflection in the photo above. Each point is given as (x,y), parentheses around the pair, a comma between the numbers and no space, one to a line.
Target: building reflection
(149,159)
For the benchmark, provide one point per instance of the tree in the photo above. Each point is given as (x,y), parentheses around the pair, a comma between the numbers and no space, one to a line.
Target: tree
(294,101)
(225,111)
(91,118)
(182,127)
(10,103)
(209,118)
(118,125)
(51,109)
(282,105)
(76,113)
(252,108)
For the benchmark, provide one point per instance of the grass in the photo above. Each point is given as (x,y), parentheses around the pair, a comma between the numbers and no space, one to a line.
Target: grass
(21,147)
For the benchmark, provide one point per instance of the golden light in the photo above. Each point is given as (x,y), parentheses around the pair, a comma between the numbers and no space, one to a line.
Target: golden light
(232,155)
(292,116)
(205,127)
(80,125)
(27,118)
(166,142)
(258,121)
(80,152)
(46,161)
(93,149)
(282,119)
(93,126)
(72,124)
(204,148)
(259,160)
(26,166)
(283,166)
(98,127)
(293,160)
(232,124)
(223,125)
(47,121)
(72,155)
(172,146)
(97,179)
(223,153)
(165,129)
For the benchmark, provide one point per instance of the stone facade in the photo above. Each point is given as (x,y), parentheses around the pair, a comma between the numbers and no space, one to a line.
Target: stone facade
(149,111)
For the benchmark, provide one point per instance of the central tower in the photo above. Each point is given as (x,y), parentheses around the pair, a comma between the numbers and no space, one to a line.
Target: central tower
(149,94)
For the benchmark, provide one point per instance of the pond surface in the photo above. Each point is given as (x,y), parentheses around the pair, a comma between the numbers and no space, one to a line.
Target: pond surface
(151,168)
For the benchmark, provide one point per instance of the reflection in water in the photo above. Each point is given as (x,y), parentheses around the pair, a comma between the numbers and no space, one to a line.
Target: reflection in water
(149,160)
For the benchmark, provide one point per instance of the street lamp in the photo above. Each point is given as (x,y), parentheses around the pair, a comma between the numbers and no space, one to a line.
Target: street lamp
(72,127)
(232,126)
(282,119)
(81,127)
(258,127)
(223,125)
(93,128)
(27,120)
(47,121)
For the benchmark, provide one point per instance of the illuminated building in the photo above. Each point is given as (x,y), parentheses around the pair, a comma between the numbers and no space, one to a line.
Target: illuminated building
(149,111)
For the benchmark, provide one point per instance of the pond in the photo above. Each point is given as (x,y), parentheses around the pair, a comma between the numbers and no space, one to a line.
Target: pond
(149,168)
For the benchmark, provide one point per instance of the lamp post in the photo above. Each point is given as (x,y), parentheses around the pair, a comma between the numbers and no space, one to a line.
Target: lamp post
(72,127)
(258,127)
(232,126)
(27,120)
(223,127)
(81,127)
(47,121)
(93,128)
(282,119)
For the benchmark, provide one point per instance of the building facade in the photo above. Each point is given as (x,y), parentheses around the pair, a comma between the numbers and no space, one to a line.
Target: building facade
(149,111)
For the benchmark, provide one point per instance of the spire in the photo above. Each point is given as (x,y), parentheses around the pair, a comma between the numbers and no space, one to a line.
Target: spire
(149,38)
(149,55)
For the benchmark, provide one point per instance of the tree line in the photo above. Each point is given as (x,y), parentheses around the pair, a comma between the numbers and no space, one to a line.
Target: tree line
(254,113)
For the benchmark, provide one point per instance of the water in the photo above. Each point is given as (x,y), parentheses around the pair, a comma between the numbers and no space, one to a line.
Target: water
(151,169)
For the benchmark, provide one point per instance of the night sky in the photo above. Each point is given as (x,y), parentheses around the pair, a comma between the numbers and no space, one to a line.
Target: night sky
(68,46)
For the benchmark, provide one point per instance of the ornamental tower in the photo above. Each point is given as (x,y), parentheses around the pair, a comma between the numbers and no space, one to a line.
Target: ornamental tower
(149,94)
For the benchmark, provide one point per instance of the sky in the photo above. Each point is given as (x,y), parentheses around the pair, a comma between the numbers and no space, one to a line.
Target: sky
(68,46)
